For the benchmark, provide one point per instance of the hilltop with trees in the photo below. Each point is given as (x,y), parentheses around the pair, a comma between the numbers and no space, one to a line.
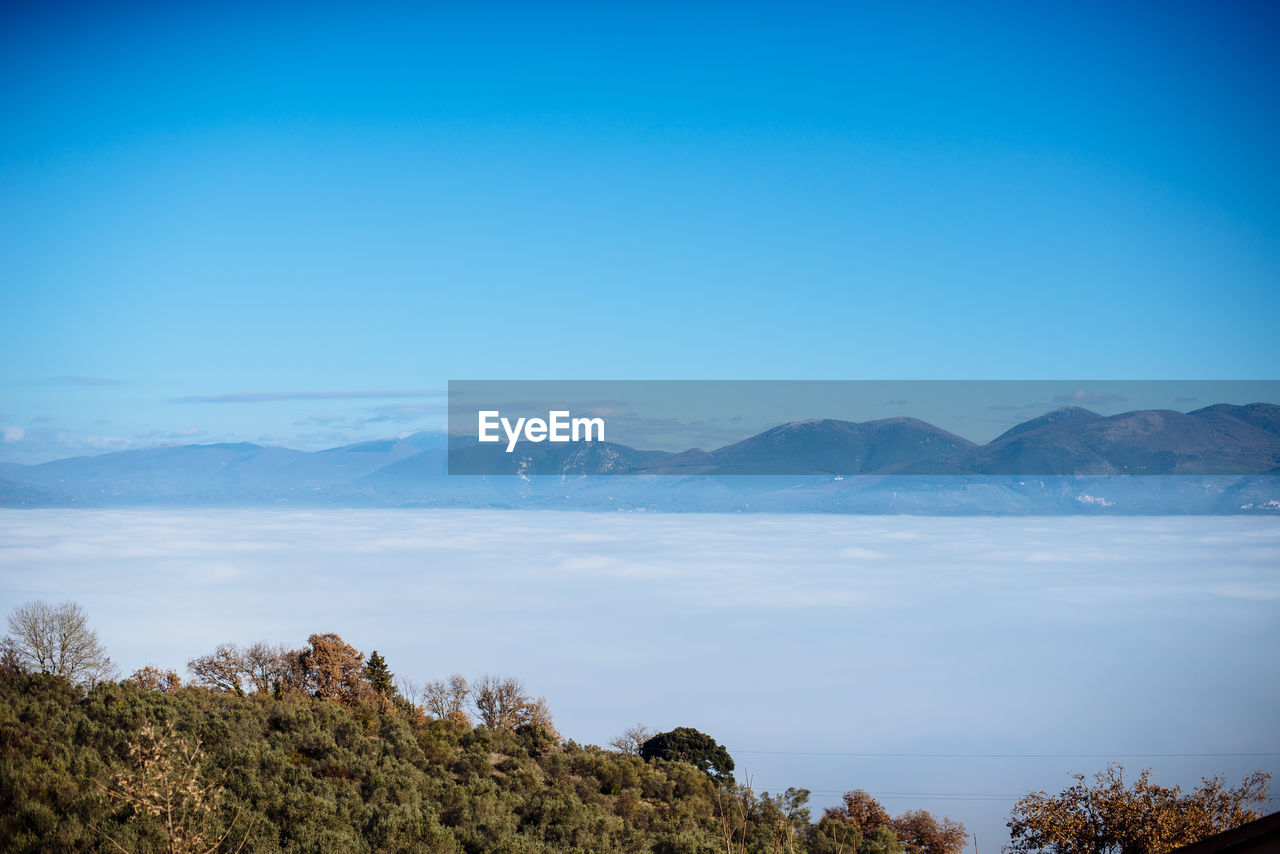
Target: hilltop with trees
(267,749)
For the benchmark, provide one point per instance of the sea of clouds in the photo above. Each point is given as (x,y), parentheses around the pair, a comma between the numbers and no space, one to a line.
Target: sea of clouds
(792,639)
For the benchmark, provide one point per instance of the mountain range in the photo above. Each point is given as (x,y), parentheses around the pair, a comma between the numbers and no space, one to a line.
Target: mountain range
(1063,461)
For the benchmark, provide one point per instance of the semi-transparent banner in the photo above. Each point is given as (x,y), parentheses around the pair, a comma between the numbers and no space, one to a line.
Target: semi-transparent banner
(863,427)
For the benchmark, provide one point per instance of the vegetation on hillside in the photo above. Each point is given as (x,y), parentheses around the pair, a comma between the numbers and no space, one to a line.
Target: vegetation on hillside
(269,750)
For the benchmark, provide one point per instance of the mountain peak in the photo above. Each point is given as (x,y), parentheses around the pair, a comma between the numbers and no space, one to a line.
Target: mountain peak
(1064,415)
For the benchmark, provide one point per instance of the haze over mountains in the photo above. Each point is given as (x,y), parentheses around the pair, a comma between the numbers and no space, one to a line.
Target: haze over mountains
(1064,461)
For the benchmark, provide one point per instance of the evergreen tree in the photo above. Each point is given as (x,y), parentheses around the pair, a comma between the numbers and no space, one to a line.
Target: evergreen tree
(379,676)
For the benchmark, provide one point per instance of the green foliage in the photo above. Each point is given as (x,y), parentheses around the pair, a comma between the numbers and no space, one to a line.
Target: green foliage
(379,675)
(301,774)
(686,744)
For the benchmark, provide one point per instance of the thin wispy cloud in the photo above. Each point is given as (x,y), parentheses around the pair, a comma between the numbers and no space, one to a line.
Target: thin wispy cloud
(273,396)
(320,420)
(75,381)
(404,413)
(1080,397)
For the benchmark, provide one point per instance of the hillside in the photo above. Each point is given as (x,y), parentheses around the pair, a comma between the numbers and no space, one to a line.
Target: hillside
(287,773)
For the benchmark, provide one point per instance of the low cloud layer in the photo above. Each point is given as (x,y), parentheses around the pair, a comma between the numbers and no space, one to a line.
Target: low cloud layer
(775,633)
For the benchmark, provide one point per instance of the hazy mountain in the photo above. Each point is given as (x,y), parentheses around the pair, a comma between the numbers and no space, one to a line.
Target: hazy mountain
(1067,415)
(545,458)
(825,446)
(1059,462)
(13,494)
(1264,416)
(1215,440)
(241,472)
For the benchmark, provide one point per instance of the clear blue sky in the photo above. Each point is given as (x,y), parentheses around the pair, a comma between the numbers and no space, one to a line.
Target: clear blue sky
(314,201)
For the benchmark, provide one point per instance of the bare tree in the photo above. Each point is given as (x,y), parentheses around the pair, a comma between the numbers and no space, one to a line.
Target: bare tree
(504,704)
(56,639)
(221,669)
(447,700)
(632,739)
(263,665)
(500,703)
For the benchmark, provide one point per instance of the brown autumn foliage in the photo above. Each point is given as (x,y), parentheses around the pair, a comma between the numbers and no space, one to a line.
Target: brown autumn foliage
(921,833)
(1109,817)
(860,810)
(918,830)
(328,668)
(152,678)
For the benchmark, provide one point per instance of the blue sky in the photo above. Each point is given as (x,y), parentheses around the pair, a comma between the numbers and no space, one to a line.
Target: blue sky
(320,204)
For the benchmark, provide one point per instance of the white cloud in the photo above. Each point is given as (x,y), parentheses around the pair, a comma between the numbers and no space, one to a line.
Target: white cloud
(795,632)
(13,434)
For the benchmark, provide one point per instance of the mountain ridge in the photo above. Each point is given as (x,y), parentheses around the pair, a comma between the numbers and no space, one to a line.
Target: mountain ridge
(812,462)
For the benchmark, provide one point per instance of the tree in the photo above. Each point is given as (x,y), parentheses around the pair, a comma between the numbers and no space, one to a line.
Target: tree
(221,669)
(1144,818)
(152,678)
(632,739)
(921,833)
(328,668)
(914,832)
(686,744)
(379,675)
(860,810)
(504,704)
(448,700)
(264,665)
(57,640)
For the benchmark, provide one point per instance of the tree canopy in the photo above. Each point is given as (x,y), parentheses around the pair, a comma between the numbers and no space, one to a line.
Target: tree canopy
(686,744)
(56,639)
(1109,817)
(277,751)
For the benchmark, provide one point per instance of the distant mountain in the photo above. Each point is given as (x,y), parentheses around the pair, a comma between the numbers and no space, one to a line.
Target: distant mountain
(200,472)
(1060,462)
(547,458)
(1215,440)
(13,494)
(220,473)
(1073,416)
(823,446)
(1264,416)
(425,441)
